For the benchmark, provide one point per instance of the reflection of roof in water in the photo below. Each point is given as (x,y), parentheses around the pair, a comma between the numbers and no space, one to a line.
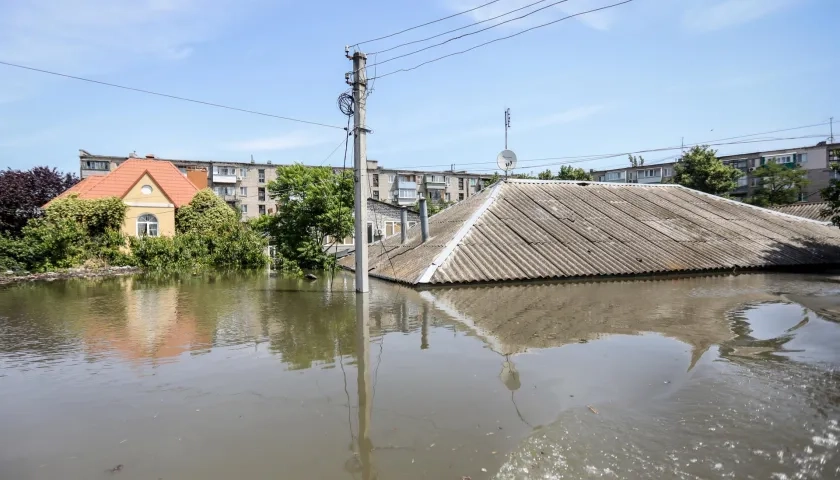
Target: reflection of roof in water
(514,318)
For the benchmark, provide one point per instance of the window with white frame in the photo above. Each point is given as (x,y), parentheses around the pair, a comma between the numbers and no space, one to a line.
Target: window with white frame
(407,193)
(803,158)
(615,175)
(243,172)
(222,191)
(473,181)
(392,228)
(96,165)
(653,172)
(742,181)
(419,194)
(244,208)
(391,178)
(261,175)
(224,170)
(147,225)
(243,191)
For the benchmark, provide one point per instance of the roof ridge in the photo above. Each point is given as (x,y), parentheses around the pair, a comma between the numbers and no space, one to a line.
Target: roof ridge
(460,234)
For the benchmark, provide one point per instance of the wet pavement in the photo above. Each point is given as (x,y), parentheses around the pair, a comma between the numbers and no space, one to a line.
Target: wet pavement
(224,377)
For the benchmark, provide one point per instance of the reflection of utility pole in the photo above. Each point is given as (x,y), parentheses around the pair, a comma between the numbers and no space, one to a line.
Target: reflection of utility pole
(364,385)
(424,329)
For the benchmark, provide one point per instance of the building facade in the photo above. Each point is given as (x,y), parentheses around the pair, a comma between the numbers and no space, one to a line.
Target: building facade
(815,160)
(243,185)
(383,221)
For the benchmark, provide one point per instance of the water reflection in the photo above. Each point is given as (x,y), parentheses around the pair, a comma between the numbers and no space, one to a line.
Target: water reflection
(247,376)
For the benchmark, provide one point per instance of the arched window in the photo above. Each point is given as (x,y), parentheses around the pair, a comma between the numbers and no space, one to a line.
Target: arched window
(147,225)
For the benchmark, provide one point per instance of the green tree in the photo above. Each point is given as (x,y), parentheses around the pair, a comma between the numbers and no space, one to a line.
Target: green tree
(313,203)
(780,185)
(700,169)
(636,161)
(495,178)
(831,195)
(206,213)
(545,175)
(568,172)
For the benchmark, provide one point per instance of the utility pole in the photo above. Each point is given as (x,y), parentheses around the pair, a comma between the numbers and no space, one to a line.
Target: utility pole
(360,166)
(831,126)
(507,124)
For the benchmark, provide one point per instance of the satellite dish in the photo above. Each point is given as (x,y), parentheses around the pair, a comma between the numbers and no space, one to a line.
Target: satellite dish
(506,160)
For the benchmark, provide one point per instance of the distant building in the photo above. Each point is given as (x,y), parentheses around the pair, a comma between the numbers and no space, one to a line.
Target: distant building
(814,159)
(243,184)
(383,221)
(151,190)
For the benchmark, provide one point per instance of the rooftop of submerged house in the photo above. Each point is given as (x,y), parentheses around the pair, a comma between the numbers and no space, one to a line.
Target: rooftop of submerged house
(533,229)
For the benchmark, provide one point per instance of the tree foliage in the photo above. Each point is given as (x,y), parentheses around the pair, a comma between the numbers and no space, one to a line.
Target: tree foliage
(831,195)
(312,204)
(636,161)
(23,193)
(209,235)
(567,172)
(780,185)
(700,169)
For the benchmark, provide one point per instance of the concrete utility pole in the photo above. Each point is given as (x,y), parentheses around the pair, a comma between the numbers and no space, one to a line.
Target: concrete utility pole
(831,126)
(360,167)
(507,124)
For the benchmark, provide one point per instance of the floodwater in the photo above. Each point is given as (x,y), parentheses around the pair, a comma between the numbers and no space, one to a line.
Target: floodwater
(253,377)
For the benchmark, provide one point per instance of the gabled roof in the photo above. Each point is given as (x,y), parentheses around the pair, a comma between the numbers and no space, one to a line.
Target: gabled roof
(118,182)
(532,229)
(812,210)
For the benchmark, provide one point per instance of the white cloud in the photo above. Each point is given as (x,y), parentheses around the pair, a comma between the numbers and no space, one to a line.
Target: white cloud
(88,37)
(729,13)
(288,141)
(601,20)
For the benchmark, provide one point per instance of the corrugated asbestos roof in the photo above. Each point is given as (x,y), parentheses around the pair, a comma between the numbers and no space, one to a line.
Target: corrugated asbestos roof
(812,210)
(532,229)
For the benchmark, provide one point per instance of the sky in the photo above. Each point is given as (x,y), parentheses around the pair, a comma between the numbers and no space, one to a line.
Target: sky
(644,75)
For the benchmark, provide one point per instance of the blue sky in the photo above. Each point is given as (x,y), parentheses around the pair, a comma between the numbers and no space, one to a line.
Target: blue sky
(638,76)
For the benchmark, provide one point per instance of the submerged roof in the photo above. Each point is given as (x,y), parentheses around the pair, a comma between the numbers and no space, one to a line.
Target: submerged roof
(536,229)
(118,182)
(812,210)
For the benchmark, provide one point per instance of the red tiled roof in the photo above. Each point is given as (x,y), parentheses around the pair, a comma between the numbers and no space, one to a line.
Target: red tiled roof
(118,182)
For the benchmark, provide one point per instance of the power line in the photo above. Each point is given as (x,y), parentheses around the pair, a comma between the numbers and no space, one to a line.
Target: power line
(166,95)
(424,24)
(473,33)
(601,156)
(498,40)
(460,28)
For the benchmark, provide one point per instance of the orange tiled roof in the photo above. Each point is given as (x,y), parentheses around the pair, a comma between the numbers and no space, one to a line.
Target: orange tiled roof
(118,182)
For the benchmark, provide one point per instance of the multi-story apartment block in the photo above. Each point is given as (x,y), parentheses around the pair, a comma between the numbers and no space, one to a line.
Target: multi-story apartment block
(243,185)
(814,159)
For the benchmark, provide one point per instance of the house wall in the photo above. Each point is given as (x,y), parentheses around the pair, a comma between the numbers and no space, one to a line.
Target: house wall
(156,203)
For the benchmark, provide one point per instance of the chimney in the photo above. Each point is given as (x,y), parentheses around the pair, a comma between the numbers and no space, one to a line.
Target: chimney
(424,220)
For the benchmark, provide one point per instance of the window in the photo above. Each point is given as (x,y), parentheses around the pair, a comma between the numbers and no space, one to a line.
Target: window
(803,158)
(460,183)
(601,178)
(472,182)
(261,209)
(376,180)
(391,178)
(147,225)
(146,189)
(224,171)
(261,175)
(94,165)
(243,172)
(407,193)
(222,191)
(376,194)
(434,195)
(652,172)
(612,176)
(261,194)
(244,209)
(369,232)
(419,194)
(742,181)
(243,191)
(392,228)
(666,172)
(460,196)
(448,196)
(435,179)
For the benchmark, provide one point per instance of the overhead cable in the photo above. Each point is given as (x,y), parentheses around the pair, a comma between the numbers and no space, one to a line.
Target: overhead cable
(174,97)
(459,28)
(497,40)
(425,24)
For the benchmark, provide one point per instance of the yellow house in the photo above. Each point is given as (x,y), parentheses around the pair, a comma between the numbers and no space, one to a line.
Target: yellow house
(151,189)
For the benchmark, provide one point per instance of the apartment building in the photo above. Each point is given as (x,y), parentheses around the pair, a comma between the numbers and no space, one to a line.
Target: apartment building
(405,187)
(243,184)
(815,160)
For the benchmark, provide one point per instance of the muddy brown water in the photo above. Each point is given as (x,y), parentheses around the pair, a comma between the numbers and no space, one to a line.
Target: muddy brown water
(249,376)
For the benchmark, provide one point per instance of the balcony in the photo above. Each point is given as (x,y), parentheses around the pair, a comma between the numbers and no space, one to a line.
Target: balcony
(406,200)
(217,178)
(437,182)
(405,185)
(231,198)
